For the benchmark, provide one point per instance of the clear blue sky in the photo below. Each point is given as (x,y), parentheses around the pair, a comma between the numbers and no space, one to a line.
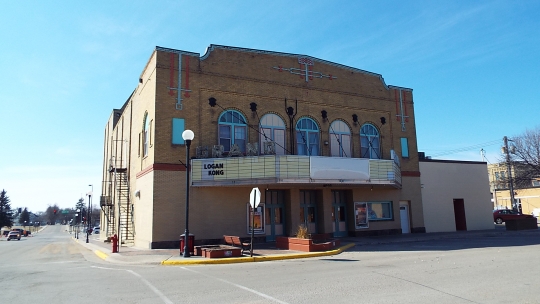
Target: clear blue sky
(473,66)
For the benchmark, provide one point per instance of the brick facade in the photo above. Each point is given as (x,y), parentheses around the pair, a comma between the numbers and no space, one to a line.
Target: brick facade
(235,78)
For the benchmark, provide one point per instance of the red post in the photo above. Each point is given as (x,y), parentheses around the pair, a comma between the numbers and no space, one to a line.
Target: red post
(114,240)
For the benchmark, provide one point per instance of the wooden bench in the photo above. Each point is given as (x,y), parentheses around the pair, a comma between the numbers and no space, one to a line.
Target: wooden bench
(235,241)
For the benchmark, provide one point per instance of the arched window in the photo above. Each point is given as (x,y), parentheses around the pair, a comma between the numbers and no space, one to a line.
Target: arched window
(340,139)
(273,130)
(232,130)
(307,137)
(146,134)
(369,142)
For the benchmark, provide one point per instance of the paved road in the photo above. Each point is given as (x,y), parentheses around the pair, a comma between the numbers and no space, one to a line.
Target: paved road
(52,268)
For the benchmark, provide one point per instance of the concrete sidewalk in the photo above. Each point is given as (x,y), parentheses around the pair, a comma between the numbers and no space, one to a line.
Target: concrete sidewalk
(268,251)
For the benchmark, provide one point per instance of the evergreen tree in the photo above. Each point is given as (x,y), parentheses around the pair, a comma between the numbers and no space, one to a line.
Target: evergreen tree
(24,218)
(6,214)
(80,204)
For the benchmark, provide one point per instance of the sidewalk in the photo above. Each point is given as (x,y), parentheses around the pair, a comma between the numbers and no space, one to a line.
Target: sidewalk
(267,251)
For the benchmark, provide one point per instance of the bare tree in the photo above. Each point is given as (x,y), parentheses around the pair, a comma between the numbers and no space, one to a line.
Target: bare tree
(526,156)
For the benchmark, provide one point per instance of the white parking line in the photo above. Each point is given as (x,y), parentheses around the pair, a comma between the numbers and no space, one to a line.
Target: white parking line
(152,287)
(239,286)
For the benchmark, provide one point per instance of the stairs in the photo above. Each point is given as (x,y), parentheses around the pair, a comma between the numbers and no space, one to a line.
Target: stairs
(122,207)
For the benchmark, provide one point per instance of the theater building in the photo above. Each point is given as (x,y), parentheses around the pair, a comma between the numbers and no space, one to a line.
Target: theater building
(329,146)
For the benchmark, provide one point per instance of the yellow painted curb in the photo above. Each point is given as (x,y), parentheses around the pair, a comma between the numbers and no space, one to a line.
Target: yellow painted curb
(258,258)
(101,254)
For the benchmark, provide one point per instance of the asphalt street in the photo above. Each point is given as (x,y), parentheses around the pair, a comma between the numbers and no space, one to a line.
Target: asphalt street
(494,267)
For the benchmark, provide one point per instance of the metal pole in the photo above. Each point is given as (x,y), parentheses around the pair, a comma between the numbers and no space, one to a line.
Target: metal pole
(88,220)
(509,169)
(186,232)
(252,224)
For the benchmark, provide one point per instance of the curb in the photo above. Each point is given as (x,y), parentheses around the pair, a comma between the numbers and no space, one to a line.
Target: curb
(101,254)
(258,258)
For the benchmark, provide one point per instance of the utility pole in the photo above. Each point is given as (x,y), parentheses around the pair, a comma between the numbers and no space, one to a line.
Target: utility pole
(509,169)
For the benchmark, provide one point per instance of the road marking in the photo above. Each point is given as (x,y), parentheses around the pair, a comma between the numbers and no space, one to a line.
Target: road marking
(152,287)
(101,254)
(239,286)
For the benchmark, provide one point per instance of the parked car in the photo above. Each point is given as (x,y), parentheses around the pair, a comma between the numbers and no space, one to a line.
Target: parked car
(500,216)
(96,230)
(14,235)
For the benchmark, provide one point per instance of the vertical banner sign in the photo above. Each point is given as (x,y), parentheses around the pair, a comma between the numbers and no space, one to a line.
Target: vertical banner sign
(254,200)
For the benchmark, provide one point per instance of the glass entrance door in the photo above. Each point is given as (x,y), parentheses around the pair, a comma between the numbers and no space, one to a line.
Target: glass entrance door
(339,214)
(308,210)
(275,206)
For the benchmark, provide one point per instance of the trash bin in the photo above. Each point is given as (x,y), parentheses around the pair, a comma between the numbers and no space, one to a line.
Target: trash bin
(191,241)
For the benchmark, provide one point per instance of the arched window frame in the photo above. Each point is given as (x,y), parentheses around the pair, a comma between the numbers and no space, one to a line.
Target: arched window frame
(272,128)
(232,129)
(307,137)
(340,139)
(370,142)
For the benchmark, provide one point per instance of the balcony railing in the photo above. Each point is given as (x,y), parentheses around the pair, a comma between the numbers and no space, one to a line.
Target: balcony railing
(297,169)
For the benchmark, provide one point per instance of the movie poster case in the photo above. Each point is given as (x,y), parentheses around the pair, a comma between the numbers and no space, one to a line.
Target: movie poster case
(259,219)
(360,215)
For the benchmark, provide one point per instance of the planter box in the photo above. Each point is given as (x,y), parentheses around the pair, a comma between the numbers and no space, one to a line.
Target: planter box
(307,245)
(521,224)
(221,252)
(199,249)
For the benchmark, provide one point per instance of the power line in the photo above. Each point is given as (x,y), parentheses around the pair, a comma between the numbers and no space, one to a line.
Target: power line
(468,148)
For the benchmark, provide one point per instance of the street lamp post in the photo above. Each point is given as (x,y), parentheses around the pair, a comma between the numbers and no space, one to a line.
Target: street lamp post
(89,213)
(188,136)
(77,224)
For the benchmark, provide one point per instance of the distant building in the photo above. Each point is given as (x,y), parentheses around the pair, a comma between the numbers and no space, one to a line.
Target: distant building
(329,146)
(526,192)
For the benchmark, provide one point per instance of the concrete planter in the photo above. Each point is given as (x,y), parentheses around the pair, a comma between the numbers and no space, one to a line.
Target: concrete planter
(221,252)
(521,224)
(307,245)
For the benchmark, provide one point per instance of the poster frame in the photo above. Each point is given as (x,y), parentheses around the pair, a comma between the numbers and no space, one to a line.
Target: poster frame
(361,221)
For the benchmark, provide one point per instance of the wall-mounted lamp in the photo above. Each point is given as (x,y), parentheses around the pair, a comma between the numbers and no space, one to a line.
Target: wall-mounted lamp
(290,111)
(324,115)
(253,107)
(383,120)
(140,80)
(212,101)
(355,119)
(138,193)
(326,142)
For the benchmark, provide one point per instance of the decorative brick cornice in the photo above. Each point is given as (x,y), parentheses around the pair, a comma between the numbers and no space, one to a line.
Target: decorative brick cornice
(161,167)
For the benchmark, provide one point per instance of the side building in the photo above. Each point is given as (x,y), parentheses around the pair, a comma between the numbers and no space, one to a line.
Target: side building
(329,146)
(455,195)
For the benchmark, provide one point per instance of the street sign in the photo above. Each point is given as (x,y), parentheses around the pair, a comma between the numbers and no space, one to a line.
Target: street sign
(254,200)
(255,197)
(65,211)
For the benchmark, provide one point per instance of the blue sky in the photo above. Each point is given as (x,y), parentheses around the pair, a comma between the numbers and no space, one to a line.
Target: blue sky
(474,67)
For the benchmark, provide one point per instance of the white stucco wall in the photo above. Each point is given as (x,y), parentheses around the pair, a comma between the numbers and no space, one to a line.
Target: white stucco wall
(444,181)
